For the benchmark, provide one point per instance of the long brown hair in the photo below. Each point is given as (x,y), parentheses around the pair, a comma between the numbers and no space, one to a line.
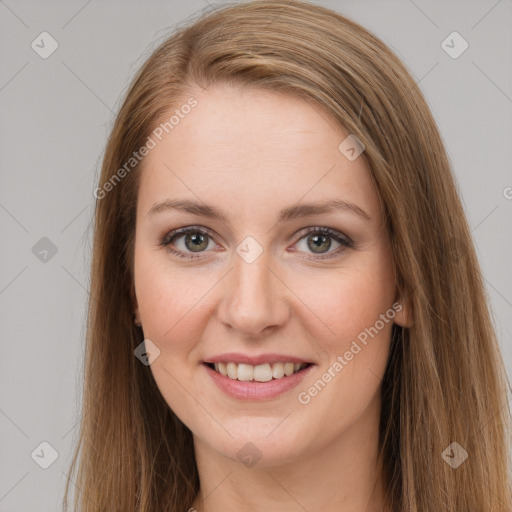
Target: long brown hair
(445,381)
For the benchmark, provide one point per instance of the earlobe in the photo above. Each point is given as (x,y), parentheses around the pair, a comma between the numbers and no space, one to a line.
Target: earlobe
(403,313)
(135,305)
(136,315)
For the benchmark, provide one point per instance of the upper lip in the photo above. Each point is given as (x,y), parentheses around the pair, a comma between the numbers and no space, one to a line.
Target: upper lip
(236,357)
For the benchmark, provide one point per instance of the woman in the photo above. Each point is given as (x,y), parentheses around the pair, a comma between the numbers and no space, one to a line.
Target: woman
(286,310)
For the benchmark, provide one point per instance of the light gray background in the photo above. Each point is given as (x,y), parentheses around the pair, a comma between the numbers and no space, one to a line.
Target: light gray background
(56,113)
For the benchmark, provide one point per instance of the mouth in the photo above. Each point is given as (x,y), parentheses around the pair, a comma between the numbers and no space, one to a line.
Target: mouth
(260,373)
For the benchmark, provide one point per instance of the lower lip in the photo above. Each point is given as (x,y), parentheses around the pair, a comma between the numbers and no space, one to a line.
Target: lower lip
(251,390)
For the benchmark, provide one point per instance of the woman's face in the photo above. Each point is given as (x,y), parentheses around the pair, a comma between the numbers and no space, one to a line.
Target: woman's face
(263,286)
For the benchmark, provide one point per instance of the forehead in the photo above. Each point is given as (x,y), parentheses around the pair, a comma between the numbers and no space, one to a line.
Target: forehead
(251,149)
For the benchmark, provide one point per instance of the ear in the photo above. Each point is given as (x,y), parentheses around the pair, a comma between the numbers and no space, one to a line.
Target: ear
(135,305)
(404,316)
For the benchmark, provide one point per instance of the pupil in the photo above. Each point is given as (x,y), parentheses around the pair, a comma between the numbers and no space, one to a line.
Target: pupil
(317,242)
(197,240)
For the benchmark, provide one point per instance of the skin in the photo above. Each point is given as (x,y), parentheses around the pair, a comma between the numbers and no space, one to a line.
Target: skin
(251,153)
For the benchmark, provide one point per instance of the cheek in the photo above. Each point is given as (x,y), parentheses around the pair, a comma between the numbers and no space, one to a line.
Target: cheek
(171,302)
(357,307)
(337,304)
(344,302)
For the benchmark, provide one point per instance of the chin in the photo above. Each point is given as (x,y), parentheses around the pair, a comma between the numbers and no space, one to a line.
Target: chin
(258,447)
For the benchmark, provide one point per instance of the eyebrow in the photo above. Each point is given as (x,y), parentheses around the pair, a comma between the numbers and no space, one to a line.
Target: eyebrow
(286,214)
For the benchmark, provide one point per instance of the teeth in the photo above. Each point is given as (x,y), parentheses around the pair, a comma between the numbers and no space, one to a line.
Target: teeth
(232,370)
(289,368)
(245,372)
(277,370)
(263,373)
(260,373)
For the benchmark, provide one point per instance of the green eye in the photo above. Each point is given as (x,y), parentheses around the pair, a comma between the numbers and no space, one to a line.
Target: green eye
(196,240)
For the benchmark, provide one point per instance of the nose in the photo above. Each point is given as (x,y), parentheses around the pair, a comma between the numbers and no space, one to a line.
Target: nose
(255,298)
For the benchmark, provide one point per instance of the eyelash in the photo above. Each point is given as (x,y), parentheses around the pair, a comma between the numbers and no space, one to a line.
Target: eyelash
(345,242)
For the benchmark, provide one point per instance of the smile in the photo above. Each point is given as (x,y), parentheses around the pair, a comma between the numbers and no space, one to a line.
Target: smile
(259,373)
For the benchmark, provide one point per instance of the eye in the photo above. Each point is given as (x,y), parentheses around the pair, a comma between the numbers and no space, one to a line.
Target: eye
(194,239)
(318,240)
